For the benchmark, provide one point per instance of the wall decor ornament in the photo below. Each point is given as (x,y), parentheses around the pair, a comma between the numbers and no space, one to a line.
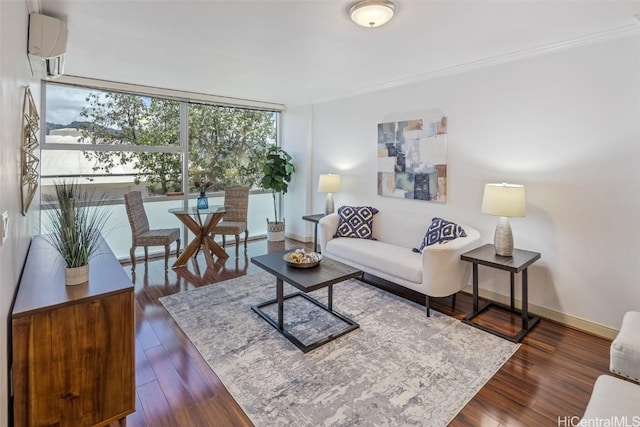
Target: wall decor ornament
(29,160)
(412,159)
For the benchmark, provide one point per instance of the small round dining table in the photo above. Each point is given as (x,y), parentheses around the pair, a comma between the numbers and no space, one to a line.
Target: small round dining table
(201,222)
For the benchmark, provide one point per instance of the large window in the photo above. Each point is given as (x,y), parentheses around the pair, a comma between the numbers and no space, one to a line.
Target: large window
(106,137)
(115,142)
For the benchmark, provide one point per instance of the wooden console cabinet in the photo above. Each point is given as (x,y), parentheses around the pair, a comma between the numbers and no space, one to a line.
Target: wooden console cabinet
(73,346)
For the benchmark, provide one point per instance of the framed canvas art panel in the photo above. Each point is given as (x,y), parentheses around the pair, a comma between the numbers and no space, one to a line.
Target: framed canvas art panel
(412,159)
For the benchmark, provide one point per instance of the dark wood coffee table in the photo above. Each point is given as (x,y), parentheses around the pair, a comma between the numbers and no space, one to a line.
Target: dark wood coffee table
(325,275)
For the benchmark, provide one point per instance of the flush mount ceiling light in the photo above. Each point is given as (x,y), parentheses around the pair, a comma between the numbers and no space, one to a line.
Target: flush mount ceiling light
(371,13)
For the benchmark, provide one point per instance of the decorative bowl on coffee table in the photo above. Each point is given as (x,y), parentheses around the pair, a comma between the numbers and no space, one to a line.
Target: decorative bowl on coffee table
(290,259)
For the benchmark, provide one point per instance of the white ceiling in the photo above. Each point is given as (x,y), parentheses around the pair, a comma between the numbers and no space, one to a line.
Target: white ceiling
(301,51)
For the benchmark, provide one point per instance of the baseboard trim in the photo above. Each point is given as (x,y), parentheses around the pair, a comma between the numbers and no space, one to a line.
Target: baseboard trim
(555,316)
(294,236)
(565,319)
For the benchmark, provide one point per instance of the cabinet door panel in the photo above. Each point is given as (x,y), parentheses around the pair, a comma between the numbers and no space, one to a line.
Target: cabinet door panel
(79,364)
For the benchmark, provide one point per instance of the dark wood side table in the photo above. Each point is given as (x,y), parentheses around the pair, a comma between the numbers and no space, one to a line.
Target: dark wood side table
(315,218)
(518,263)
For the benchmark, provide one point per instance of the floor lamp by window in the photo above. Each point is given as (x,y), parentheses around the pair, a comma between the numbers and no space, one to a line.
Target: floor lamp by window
(504,200)
(329,184)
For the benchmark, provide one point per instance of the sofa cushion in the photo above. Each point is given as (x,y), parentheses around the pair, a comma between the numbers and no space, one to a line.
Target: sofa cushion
(441,231)
(356,221)
(611,397)
(394,260)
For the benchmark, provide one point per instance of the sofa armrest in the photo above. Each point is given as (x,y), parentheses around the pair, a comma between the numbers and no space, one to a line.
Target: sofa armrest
(328,228)
(443,272)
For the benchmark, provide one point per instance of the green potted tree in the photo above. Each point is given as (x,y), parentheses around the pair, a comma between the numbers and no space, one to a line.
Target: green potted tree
(76,224)
(277,171)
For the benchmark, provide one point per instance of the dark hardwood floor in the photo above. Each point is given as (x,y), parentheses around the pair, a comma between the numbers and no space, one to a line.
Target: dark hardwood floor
(550,376)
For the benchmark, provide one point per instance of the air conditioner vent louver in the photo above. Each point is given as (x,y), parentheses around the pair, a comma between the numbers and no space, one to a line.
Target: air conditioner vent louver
(47,45)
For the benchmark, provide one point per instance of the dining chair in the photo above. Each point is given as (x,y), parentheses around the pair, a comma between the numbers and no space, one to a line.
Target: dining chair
(141,235)
(234,222)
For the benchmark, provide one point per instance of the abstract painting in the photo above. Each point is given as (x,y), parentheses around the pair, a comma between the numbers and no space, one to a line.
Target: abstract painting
(412,159)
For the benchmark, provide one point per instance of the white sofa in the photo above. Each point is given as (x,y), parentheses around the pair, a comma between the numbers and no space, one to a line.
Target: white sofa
(436,272)
(625,349)
(614,399)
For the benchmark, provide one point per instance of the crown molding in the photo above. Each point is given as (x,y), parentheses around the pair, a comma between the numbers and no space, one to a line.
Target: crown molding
(615,33)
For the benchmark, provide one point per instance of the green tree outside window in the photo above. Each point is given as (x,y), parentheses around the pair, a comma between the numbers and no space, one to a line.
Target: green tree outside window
(226,145)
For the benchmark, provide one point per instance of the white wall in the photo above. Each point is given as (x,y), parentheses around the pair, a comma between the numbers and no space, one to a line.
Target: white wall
(565,124)
(14,76)
(297,126)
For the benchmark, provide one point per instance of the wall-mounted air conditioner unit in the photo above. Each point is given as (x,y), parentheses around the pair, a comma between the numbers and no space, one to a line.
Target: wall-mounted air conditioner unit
(47,45)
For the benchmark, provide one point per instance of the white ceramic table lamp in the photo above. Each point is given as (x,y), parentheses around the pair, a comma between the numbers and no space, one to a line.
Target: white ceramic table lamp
(504,200)
(329,184)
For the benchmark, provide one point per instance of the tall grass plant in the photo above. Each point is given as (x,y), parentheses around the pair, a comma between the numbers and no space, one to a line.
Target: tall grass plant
(77,222)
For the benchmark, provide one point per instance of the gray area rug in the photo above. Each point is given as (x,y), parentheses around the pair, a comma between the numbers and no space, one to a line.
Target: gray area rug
(399,368)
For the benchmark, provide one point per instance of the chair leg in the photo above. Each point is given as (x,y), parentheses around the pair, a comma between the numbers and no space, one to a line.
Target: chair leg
(224,242)
(453,303)
(177,248)
(237,244)
(167,250)
(427,306)
(246,235)
(146,254)
(132,253)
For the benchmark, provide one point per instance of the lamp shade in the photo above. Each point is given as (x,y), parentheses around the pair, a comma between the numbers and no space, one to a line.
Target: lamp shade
(504,200)
(329,183)
(371,13)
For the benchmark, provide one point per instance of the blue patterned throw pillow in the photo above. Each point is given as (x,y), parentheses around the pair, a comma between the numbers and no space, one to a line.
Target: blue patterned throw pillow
(356,221)
(441,231)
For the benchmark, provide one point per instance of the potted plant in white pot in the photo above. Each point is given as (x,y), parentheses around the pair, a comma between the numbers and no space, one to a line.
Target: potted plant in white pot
(76,225)
(277,170)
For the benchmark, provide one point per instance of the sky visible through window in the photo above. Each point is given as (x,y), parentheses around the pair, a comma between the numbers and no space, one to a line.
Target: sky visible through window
(64,103)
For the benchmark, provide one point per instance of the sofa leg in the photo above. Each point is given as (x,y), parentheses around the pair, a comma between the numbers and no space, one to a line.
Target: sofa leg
(427,306)
(453,303)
